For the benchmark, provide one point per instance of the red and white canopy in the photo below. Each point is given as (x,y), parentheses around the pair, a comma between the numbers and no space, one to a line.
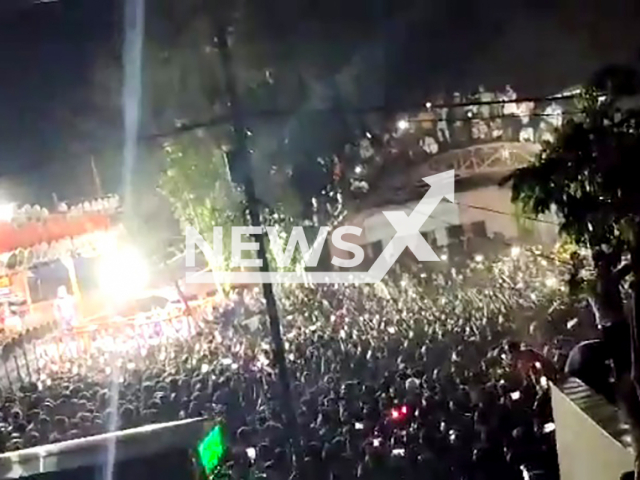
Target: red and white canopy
(32,235)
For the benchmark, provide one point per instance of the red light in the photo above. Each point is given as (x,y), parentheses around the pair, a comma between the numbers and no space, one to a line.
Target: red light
(400,412)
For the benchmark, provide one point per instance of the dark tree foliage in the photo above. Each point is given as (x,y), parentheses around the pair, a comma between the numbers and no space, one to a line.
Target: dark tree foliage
(588,178)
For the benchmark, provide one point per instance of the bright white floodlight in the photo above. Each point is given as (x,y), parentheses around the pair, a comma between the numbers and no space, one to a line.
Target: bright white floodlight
(123,274)
(6,212)
(403,124)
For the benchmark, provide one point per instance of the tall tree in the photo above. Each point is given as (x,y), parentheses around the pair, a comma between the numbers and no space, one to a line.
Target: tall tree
(197,182)
(587,178)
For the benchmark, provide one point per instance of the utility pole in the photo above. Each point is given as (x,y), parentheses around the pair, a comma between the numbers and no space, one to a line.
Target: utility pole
(241,172)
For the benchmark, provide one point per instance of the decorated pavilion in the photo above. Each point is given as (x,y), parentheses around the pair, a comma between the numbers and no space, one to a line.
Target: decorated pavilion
(31,237)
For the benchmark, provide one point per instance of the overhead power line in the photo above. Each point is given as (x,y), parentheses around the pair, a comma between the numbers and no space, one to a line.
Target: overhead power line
(507,243)
(509,214)
(484,209)
(225,119)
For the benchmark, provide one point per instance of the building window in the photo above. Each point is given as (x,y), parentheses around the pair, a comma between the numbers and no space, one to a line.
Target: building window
(479,229)
(455,233)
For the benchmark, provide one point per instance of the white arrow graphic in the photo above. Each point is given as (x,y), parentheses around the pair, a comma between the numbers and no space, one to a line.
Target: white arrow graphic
(407,236)
(408,227)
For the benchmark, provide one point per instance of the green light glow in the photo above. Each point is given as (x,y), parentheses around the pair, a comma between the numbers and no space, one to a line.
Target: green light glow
(211,449)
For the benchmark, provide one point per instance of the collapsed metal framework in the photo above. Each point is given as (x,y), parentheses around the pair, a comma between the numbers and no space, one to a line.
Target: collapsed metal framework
(498,158)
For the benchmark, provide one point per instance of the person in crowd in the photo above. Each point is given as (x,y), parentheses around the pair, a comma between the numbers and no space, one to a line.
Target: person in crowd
(479,130)
(64,309)
(509,98)
(527,134)
(480,117)
(366,149)
(442,126)
(496,128)
(461,127)
(10,320)
(429,145)
(525,110)
(427,119)
(510,112)
(530,363)
(590,363)
(553,115)
(485,97)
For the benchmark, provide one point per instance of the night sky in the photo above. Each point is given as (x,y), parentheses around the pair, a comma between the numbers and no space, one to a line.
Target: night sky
(47,54)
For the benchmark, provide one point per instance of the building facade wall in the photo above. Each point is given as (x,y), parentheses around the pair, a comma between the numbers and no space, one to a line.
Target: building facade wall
(585,451)
(489,208)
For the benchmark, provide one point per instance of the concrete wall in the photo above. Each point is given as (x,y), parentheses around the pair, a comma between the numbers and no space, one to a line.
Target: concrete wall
(491,205)
(377,227)
(585,451)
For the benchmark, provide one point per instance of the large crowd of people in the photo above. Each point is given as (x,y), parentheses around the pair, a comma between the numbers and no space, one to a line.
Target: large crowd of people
(423,375)
(453,123)
(458,121)
(486,116)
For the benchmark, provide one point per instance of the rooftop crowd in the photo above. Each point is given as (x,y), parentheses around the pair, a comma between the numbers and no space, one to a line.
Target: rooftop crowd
(483,116)
(424,375)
